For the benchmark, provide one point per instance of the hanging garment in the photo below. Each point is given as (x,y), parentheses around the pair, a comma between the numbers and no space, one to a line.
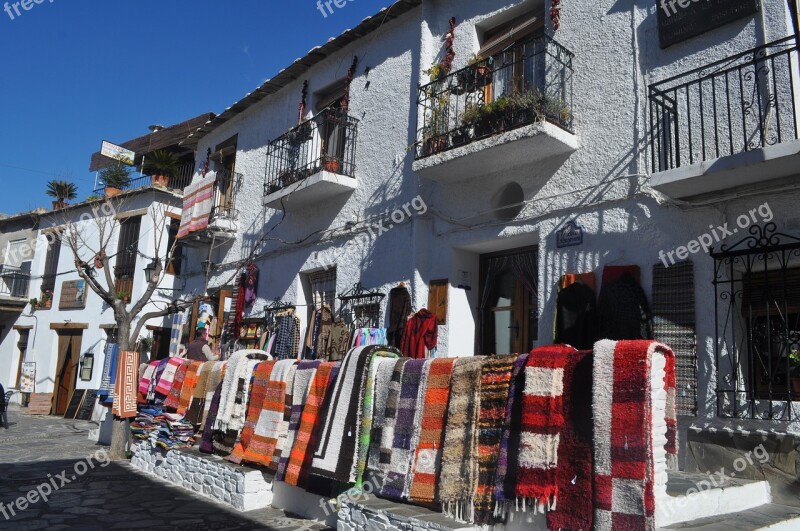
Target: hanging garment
(198,200)
(285,345)
(311,336)
(587,278)
(623,310)
(612,273)
(338,341)
(324,330)
(576,316)
(421,334)
(251,286)
(399,310)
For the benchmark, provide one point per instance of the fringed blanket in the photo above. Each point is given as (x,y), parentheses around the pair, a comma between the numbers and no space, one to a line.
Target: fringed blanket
(106,392)
(234,374)
(628,429)
(459,477)
(427,461)
(168,376)
(214,381)
(495,384)
(542,421)
(189,383)
(194,413)
(574,473)
(207,443)
(403,431)
(337,447)
(174,395)
(258,391)
(152,396)
(381,366)
(380,453)
(303,377)
(124,405)
(144,381)
(228,432)
(310,420)
(505,485)
(417,431)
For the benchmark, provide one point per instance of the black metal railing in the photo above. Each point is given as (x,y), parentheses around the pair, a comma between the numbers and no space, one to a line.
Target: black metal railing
(745,102)
(326,142)
(226,189)
(179,182)
(529,82)
(14,282)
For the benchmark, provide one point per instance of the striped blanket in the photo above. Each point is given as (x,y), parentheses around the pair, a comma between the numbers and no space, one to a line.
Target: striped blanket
(258,392)
(189,384)
(228,431)
(106,392)
(174,395)
(380,368)
(303,377)
(380,453)
(145,380)
(198,200)
(634,430)
(167,378)
(427,458)
(310,423)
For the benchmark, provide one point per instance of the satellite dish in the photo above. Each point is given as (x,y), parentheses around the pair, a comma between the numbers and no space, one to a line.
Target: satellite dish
(507,201)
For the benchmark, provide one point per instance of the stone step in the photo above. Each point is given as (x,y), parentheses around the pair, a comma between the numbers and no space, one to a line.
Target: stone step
(770,516)
(691,497)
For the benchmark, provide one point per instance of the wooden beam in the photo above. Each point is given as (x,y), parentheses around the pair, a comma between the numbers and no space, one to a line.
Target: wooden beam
(69,326)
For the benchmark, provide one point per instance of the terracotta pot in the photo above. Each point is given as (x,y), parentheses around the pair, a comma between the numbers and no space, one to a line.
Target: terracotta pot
(162,181)
(58,205)
(112,192)
(332,165)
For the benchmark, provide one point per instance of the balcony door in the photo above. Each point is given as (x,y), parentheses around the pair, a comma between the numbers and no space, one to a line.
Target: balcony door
(16,270)
(225,160)
(332,128)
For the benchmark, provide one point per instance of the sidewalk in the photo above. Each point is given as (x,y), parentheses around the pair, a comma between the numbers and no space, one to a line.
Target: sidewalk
(39,451)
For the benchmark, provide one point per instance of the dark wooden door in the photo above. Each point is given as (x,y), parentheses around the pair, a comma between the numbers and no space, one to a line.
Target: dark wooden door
(69,348)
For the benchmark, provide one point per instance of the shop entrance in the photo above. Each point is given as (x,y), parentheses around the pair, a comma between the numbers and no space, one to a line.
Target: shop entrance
(509,302)
(69,351)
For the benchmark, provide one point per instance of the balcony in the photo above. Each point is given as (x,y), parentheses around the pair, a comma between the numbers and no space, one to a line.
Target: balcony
(727,124)
(209,217)
(504,112)
(14,283)
(312,162)
(176,184)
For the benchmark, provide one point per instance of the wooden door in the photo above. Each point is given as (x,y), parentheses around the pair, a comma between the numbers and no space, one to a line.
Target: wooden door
(69,349)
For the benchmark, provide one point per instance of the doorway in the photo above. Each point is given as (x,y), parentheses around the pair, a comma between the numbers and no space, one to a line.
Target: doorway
(69,353)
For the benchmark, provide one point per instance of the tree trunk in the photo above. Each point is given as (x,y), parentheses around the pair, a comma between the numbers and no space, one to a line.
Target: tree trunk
(121,429)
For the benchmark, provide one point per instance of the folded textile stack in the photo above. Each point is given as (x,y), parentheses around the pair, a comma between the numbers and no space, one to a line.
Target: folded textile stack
(147,422)
(167,430)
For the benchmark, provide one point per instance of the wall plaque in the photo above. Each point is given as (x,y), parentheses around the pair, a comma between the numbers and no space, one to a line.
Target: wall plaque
(73,295)
(680,20)
(569,235)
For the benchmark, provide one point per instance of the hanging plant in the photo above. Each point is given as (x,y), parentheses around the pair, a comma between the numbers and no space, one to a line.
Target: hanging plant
(555,14)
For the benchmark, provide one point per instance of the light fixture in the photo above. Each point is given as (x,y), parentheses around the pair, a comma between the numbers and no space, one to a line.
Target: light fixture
(150,271)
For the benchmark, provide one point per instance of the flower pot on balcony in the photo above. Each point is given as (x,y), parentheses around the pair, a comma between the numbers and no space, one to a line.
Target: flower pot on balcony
(332,165)
(434,145)
(160,181)
(112,192)
(461,136)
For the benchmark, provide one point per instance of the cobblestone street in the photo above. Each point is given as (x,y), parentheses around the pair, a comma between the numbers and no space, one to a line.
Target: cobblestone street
(37,451)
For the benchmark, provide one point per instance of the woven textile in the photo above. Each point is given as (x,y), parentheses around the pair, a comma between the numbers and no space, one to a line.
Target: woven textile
(428,455)
(175,334)
(197,204)
(303,377)
(403,430)
(634,413)
(234,373)
(338,341)
(417,428)
(337,446)
(228,433)
(206,444)
(381,366)
(505,485)
(310,420)
(674,325)
(542,421)
(189,383)
(151,390)
(214,380)
(168,376)
(194,413)
(495,385)
(144,381)
(258,391)
(459,476)
(574,473)
(174,395)
(126,385)
(106,391)
(383,380)
(380,458)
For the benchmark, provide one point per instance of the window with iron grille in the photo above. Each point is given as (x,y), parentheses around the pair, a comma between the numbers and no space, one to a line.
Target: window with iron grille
(127,251)
(174,250)
(51,262)
(323,288)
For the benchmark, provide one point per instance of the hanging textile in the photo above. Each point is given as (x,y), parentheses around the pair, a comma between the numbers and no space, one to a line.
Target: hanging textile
(126,384)
(303,378)
(399,311)
(175,334)
(251,286)
(198,200)
(323,333)
(258,393)
(623,311)
(177,386)
(106,392)
(576,316)
(421,335)
(589,279)
(287,342)
(339,341)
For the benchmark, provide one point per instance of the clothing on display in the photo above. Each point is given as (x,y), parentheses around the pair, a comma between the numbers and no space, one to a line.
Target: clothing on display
(421,335)
(623,311)
(576,315)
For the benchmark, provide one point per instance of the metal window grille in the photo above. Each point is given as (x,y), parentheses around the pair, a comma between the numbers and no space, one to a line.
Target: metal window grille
(127,251)
(323,288)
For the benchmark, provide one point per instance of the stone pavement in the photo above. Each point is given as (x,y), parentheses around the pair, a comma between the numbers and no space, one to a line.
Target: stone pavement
(46,451)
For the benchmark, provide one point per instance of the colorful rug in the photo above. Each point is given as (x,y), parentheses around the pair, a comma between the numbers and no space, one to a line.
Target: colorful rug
(381,366)
(194,413)
(310,420)
(627,430)
(126,385)
(106,392)
(505,485)
(383,380)
(401,450)
(152,396)
(336,450)
(216,377)
(283,428)
(428,455)
(227,435)
(381,447)
(207,442)
(417,430)
(459,476)
(189,384)
(258,391)
(168,376)
(496,376)
(542,422)
(575,469)
(236,382)
(144,381)
(174,395)
(304,375)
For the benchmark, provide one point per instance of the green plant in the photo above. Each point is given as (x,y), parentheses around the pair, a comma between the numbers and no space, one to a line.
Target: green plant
(554,108)
(123,295)
(475,59)
(162,162)
(92,198)
(34,302)
(62,190)
(436,72)
(117,175)
(145,344)
(794,362)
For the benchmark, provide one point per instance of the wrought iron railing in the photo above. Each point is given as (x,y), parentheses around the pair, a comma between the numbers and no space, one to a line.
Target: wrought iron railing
(179,182)
(529,82)
(14,282)
(226,189)
(745,102)
(757,326)
(326,142)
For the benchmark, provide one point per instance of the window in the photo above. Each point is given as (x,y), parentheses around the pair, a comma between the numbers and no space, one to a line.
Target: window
(16,272)
(225,160)
(331,122)
(51,265)
(127,252)
(323,289)
(174,250)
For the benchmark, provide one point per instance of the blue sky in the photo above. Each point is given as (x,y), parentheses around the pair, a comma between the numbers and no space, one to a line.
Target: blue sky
(74,73)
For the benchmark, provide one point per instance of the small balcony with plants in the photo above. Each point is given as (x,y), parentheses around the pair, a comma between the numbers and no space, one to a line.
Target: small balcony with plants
(500,112)
(210,210)
(14,284)
(312,162)
(159,169)
(727,124)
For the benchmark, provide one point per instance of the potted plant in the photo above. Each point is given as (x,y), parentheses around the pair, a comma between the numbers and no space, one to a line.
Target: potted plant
(523,105)
(162,165)
(115,177)
(331,164)
(62,191)
(300,134)
(794,371)
(437,72)
(554,109)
